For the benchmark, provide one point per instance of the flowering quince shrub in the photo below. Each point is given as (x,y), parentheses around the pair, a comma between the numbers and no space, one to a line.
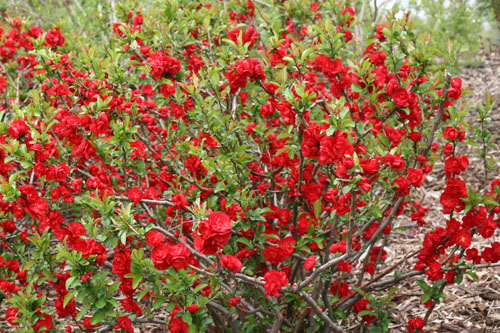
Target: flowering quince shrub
(228,166)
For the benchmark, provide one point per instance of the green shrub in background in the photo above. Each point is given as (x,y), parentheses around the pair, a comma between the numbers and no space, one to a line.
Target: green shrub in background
(491,8)
(455,30)
(458,23)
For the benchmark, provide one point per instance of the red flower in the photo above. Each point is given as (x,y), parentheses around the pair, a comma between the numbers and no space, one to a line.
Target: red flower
(249,36)
(122,262)
(338,247)
(284,215)
(473,255)
(193,308)
(213,233)
(334,149)
(230,262)
(450,133)
(415,136)
(344,266)
(176,324)
(135,194)
(154,238)
(369,166)
(163,65)
(434,272)
(342,290)
(416,177)
(310,262)
(179,256)
(11,315)
(361,305)
(45,322)
(456,83)
(416,323)
(455,165)
(273,254)
(286,245)
(451,197)
(242,70)
(377,58)
(401,98)
(18,128)
(124,323)
(180,201)
(160,256)
(311,192)
(193,164)
(463,238)
(168,89)
(275,280)
(54,38)
(310,142)
(234,301)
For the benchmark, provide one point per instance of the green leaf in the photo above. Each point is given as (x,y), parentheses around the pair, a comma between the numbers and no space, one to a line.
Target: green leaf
(317,208)
(69,282)
(83,311)
(97,317)
(136,281)
(123,237)
(376,212)
(383,139)
(170,307)
(473,275)
(425,298)
(80,297)
(422,284)
(244,240)
(100,303)
(68,297)
(143,293)
(199,288)
(186,317)
(113,288)
(158,302)
(364,313)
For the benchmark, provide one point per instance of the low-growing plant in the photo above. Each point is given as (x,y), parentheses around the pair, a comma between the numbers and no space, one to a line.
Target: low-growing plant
(228,166)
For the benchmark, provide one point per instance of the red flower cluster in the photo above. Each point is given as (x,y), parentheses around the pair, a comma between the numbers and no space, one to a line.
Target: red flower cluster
(451,197)
(163,65)
(165,255)
(242,70)
(230,262)
(31,202)
(334,148)
(124,323)
(277,254)
(54,38)
(275,280)
(213,233)
(363,305)
(248,36)
(416,325)
(455,165)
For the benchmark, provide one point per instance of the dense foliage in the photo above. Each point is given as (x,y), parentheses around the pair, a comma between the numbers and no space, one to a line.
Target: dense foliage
(232,166)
